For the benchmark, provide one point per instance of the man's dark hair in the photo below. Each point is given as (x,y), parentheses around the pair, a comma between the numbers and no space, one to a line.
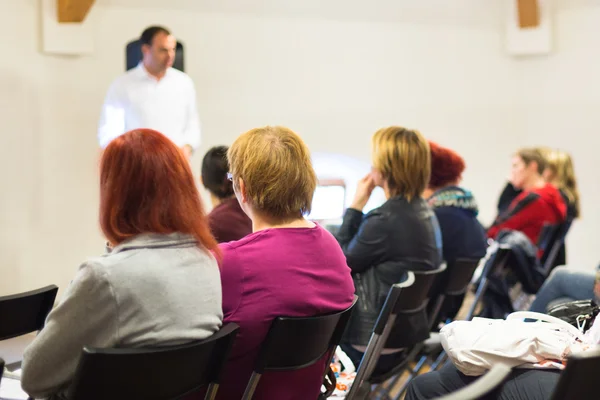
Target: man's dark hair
(149,33)
(214,172)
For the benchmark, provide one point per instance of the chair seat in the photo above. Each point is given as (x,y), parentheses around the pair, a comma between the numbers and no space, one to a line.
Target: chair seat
(433,344)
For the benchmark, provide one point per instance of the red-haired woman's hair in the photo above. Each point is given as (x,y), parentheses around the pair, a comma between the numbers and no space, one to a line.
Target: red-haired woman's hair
(446,166)
(147,186)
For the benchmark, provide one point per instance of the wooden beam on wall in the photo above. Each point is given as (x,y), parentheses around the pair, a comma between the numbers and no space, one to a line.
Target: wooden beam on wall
(73,10)
(529,13)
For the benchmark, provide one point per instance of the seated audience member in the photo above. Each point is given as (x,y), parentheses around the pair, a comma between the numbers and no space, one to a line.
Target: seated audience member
(158,285)
(401,235)
(288,266)
(456,210)
(560,173)
(509,193)
(227,220)
(540,202)
(567,284)
(522,384)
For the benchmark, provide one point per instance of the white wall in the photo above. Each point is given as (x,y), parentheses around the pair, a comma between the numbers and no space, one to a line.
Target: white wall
(333,71)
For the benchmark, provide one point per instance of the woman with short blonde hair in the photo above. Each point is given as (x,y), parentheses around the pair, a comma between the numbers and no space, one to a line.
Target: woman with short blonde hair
(402,157)
(401,235)
(288,266)
(260,160)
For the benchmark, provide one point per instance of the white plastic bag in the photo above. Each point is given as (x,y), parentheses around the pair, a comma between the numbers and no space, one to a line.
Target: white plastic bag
(475,346)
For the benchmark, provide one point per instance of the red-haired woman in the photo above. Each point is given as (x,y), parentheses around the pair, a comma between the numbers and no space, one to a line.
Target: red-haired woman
(456,210)
(159,285)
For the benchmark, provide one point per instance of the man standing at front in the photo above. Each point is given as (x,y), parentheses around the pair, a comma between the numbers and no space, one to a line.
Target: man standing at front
(153,95)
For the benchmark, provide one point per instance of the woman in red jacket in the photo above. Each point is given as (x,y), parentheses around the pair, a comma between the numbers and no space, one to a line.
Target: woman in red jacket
(538,204)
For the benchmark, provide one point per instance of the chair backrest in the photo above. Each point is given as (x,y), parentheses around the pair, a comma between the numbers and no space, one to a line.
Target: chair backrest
(547,236)
(383,326)
(410,308)
(549,256)
(152,373)
(25,312)
(453,282)
(494,265)
(578,380)
(297,342)
(459,274)
(1,368)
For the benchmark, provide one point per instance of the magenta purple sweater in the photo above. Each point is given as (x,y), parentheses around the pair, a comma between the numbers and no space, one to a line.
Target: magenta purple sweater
(279,272)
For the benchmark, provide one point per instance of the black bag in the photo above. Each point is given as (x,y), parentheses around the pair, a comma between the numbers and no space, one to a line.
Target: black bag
(580,314)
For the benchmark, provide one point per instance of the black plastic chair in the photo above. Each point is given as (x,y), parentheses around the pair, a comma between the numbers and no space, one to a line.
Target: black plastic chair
(166,373)
(577,381)
(548,259)
(1,368)
(546,239)
(381,331)
(294,343)
(412,301)
(24,313)
(454,282)
(496,266)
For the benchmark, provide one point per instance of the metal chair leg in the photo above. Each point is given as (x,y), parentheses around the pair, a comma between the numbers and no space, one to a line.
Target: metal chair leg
(251,387)
(211,392)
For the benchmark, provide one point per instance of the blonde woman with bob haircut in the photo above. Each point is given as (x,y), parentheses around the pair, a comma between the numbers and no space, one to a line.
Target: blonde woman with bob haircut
(401,235)
(287,266)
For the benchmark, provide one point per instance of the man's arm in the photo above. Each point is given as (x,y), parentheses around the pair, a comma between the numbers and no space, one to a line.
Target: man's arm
(192,125)
(112,117)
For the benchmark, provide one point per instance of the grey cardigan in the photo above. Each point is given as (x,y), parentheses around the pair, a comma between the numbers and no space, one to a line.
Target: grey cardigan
(150,290)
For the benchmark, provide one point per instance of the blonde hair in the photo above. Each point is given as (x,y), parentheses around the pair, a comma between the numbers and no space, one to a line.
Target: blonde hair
(561,166)
(277,171)
(533,154)
(403,158)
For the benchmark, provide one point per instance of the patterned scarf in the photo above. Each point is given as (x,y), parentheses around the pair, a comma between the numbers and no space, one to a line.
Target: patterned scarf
(453,196)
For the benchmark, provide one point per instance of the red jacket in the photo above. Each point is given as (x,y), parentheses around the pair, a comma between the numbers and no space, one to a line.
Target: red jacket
(530,211)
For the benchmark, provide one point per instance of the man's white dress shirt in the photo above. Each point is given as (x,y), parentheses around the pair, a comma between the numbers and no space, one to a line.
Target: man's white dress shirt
(137,100)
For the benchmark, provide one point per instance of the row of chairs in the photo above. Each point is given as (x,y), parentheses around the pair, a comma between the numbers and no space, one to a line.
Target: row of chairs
(413,295)
(174,372)
(403,300)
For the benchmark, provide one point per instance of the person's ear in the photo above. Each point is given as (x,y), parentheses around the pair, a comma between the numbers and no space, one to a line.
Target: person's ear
(533,167)
(243,195)
(145,49)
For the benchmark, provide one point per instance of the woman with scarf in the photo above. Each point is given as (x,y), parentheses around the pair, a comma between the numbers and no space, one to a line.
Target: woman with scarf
(456,210)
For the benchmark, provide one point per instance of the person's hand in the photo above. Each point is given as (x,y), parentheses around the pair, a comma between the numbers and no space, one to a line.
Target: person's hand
(187,151)
(363,192)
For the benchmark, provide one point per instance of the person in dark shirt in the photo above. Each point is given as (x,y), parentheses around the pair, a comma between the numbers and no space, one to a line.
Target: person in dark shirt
(455,207)
(227,220)
(463,236)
